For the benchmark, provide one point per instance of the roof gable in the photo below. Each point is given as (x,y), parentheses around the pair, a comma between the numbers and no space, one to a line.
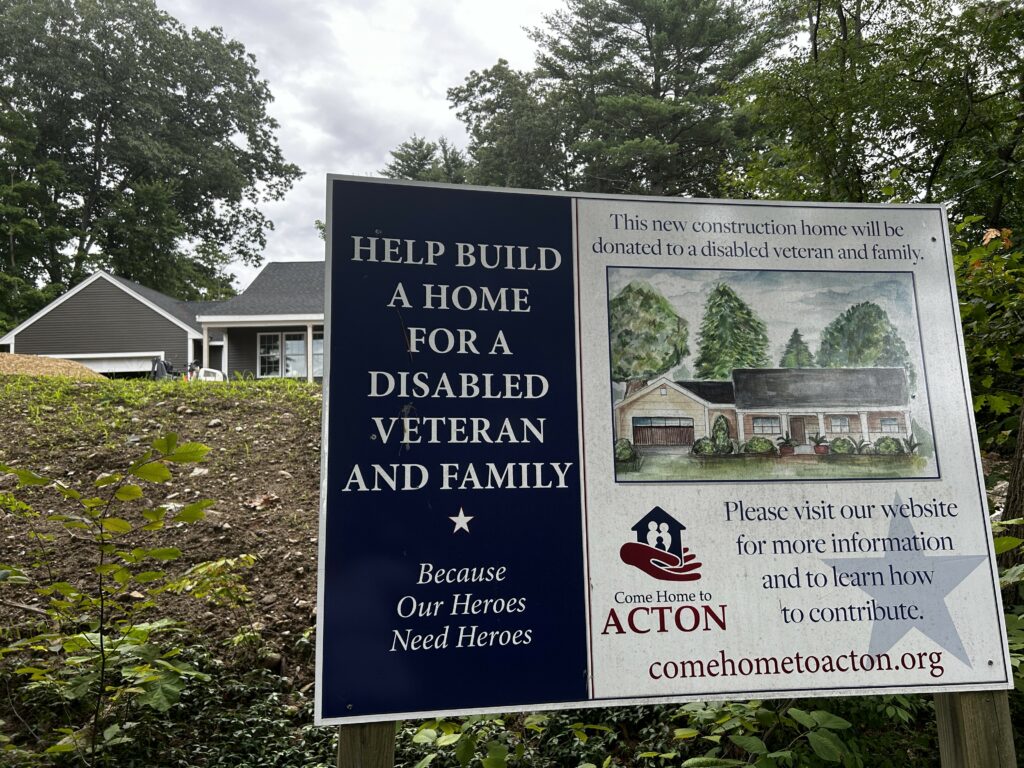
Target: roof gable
(154,300)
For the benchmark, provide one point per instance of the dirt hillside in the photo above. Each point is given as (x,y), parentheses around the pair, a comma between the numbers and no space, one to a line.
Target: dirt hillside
(262,471)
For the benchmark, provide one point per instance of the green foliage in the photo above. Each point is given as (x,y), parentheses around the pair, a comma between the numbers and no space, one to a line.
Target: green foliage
(99,656)
(785,441)
(758,444)
(720,440)
(843,445)
(797,354)
(818,439)
(703,446)
(624,450)
(888,446)
(990,283)
(731,336)
(863,336)
(417,159)
(647,336)
(131,143)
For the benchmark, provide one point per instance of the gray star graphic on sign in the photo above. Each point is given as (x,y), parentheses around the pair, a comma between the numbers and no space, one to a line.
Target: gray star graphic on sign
(912,579)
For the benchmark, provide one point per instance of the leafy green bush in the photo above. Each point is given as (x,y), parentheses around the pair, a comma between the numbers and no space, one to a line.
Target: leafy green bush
(759,444)
(843,445)
(720,440)
(888,446)
(624,450)
(703,447)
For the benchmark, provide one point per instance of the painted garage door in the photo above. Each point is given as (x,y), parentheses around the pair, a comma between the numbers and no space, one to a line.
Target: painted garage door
(662,430)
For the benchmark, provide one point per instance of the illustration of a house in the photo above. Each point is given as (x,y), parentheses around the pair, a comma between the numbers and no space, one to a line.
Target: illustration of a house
(855,403)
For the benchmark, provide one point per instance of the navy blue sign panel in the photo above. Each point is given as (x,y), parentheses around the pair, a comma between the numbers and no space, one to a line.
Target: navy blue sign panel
(452,552)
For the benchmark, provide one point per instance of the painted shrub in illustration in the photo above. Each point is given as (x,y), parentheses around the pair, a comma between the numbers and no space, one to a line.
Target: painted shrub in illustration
(647,336)
(731,336)
(862,337)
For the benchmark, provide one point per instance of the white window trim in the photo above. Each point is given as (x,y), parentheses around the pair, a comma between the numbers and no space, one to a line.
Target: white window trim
(280,341)
(280,353)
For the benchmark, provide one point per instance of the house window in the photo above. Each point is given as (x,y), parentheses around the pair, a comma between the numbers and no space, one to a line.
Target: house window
(284,354)
(295,355)
(839,423)
(890,424)
(767,425)
(269,356)
(318,354)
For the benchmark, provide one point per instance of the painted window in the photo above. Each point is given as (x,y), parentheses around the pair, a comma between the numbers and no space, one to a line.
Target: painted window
(890,424)
(661,421)
(767,425)
(839,423)
(269,357)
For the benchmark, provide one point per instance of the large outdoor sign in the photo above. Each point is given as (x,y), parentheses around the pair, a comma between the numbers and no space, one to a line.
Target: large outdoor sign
(585,450)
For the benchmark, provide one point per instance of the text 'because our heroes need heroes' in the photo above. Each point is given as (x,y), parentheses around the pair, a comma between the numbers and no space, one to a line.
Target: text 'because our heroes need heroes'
(409,395)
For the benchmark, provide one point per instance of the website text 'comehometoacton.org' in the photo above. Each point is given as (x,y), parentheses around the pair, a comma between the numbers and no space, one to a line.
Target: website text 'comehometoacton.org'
(724,665)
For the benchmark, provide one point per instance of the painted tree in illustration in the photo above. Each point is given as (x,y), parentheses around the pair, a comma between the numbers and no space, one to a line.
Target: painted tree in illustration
(731,336)
(797,354)
(863,336)
(647,339)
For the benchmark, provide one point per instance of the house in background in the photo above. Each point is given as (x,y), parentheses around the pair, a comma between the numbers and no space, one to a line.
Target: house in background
(863,403)
(115,326)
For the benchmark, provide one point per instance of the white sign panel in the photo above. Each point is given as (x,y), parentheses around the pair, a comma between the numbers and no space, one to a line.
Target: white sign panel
(639,450)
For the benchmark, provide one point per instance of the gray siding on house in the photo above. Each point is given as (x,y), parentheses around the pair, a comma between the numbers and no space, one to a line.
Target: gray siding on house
(103,319)
(215,353)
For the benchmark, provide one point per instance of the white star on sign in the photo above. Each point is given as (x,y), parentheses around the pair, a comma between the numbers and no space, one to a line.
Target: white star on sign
(461,521)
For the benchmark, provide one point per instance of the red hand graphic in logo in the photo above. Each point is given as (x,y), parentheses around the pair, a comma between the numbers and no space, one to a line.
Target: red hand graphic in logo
(660,564)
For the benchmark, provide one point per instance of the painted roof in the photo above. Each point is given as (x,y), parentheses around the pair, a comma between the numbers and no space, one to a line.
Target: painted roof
(820,387)
(714,392)
(281,288)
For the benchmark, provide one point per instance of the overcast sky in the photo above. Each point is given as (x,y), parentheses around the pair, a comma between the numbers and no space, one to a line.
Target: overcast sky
(352,79)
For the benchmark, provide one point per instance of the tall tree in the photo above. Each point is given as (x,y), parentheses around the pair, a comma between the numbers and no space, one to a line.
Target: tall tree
(133,144)
(417,159)
(892,99)
(647,336)
(627,96)
(863,336)
(797,354)
(731,336)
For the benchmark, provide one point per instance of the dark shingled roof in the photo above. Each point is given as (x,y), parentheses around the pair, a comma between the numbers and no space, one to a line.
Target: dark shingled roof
(716,392)
(820,387)
(281,288)
(174,307)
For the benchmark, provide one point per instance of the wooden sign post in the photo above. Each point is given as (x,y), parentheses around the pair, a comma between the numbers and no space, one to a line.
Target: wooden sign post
(975,730)
(366,745)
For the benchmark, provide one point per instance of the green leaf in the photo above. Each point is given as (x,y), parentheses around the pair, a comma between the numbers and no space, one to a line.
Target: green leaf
(193,512)
(166,444)
(26,477)
(448,739)
(823,747)
(828,720)
(188,453)
(108,479)
(711,762)
(164,553)
(802,717)
(426,760)
(465,750)
(497,755)
(152,472)
(111,732)
(751,744)
(147,576)
(425,736)
(1006,543)
(686,733)
(128,493)
(116,525)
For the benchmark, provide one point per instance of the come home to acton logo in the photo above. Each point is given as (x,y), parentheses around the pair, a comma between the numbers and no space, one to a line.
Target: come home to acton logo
(658,550)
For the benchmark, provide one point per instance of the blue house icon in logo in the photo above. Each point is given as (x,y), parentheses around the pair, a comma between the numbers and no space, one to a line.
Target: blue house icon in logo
(660,530)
